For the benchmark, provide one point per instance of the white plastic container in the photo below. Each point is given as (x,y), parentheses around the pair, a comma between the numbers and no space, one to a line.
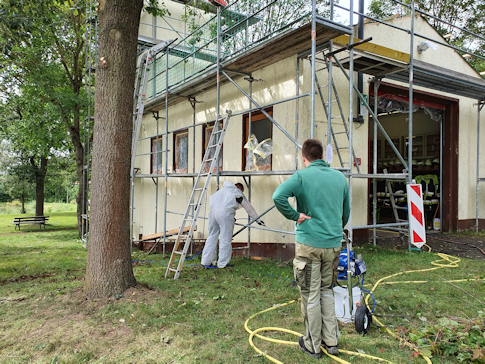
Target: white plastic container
(436,224)
(342,302)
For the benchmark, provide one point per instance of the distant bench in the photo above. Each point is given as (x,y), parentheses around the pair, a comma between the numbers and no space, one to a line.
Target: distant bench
(41,220)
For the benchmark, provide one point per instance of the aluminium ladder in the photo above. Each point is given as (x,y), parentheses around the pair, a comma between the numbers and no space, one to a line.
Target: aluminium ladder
(197,197)
(395,207)
(139,94)
(330,118)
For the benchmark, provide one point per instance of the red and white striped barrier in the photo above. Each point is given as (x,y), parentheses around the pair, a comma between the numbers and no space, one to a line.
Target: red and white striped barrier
(416,215)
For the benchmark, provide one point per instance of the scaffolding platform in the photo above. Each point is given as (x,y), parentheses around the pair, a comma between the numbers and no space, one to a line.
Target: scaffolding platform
(286,44)
(380,61)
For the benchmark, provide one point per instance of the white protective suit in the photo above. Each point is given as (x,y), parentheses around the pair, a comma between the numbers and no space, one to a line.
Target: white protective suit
(223,206)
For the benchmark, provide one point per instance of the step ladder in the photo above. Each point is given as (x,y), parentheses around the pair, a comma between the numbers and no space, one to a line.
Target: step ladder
(197,197)
(343,163)
(139,95)
(395,208)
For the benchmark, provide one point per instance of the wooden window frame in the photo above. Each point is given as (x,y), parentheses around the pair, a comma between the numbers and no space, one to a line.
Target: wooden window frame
(175,150)
(255,116)
(206,131)
(153,155)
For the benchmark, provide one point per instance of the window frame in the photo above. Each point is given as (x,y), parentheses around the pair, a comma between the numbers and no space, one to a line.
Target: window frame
(206,131)
(255,116)
(176,136)
(154,153)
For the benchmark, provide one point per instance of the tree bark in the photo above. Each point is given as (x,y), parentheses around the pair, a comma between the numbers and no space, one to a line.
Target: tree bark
(39,185)
(109,270)
(22,199)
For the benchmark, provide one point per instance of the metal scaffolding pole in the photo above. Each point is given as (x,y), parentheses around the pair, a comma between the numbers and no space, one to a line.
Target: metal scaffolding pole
(251,80)
(314,45)
(218,113)
(166,155)
(351,118)
(480,106)
(374,166)
(410,121)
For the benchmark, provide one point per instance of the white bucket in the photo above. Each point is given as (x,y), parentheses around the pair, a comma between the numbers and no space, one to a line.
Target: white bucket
(436,224)
(342,302)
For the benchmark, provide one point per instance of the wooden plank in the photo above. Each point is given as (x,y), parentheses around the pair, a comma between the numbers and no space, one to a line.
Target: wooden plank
(167,233)
(282,46)
(374,49)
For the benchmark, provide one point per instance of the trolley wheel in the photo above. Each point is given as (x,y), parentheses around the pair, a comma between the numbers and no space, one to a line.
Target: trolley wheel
(363,319)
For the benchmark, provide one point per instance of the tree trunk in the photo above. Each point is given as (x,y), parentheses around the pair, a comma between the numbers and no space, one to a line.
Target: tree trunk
(39,185)
(22,200)
(109,270)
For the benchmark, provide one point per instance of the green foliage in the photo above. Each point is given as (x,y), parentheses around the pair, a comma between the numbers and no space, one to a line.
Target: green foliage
(462,338)
(156,8)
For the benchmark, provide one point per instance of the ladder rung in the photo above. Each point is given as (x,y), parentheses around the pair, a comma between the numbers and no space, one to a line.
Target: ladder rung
(198,189)
(212,146)
(340,132)
(342,148)
(336,117)
(172,269)
(178,252)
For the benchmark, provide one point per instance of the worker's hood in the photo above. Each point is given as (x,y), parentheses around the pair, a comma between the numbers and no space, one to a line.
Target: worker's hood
(228,184)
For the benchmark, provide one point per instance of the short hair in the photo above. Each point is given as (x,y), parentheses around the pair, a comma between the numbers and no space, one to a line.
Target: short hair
(312,149)
(240,186)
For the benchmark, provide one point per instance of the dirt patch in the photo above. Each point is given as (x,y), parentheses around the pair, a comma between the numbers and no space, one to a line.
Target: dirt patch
(470,247)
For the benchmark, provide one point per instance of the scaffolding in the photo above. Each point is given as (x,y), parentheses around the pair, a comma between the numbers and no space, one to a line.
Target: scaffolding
(91,51)
(234,43)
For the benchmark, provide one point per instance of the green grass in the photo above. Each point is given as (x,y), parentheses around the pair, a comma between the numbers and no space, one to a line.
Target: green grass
(199,318)
(57,220)
(15,207)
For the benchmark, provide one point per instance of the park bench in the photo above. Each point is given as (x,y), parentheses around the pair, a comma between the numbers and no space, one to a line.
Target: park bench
(41,220)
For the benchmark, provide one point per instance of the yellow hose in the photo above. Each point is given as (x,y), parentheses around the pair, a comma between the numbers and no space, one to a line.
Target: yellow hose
(446,261)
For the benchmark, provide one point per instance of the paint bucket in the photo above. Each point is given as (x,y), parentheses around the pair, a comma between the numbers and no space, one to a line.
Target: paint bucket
(436,224)
(341,295)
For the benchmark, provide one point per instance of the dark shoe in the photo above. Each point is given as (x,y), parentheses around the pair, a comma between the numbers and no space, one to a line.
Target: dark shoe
(210,266)
(332,350)
(301,344)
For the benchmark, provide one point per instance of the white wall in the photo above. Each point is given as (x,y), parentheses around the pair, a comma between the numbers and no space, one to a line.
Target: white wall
(278,83)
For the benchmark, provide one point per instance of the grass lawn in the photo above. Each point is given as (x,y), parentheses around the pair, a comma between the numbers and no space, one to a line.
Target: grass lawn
(199,318)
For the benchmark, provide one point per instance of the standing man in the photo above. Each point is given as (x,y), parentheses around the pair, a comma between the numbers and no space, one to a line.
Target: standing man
(323,209)
(223,205)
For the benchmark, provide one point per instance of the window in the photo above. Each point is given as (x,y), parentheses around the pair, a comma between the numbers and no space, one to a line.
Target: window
(156,159)
(181,151)
(206,136)
(258,145)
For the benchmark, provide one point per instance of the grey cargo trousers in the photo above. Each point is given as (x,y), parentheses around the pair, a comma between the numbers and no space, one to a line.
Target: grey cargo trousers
(315,273)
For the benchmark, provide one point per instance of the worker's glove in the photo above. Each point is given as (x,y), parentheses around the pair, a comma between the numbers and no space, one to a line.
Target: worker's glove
(260,222)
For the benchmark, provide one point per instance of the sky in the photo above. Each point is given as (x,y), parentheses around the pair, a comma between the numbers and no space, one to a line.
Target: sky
(343,16)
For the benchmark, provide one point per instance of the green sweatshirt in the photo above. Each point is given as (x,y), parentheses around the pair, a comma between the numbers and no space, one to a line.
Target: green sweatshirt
(322,193)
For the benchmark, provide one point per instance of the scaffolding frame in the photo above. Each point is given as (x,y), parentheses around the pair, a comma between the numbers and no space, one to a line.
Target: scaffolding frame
(91,38)
(477,91)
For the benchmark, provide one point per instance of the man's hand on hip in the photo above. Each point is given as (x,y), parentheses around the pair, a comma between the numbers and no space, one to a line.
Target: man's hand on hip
(302,218)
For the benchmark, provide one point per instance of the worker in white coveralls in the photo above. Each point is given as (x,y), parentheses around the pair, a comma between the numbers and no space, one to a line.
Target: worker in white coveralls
(223,205)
